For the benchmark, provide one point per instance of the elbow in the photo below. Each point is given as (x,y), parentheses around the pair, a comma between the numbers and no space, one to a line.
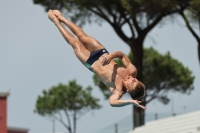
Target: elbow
(112,104)
(121,53)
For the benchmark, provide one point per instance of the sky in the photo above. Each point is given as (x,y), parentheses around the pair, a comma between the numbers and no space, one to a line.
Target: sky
(34,57)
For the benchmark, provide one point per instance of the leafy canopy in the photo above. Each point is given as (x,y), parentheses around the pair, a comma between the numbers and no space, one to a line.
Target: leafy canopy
(138,14)
(162,74)
(69,97)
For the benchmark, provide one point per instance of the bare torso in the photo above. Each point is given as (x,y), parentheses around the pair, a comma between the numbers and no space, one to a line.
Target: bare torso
(111,75)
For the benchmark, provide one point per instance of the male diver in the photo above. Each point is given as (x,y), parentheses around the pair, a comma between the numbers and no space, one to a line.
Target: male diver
(97,59)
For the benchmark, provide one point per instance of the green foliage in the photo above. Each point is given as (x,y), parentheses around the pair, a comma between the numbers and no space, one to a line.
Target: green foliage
(162,74)
(65,99)
(194,11)
(166,70)
(194,4)
(160,6)
(69,97)
(117,12)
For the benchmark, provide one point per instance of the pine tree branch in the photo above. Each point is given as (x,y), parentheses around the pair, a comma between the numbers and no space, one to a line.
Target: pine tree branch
(62,122)
(189,26)
(68,119)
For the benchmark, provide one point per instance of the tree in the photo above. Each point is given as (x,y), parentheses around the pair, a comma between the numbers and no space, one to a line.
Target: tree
(162,74)
(191,16)
(69,100)
(141,16)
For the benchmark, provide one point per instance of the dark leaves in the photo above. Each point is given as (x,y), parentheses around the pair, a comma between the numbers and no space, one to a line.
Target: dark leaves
(71,97)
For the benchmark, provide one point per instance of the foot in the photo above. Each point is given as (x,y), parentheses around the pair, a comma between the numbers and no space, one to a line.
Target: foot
(58,14)
(52,17)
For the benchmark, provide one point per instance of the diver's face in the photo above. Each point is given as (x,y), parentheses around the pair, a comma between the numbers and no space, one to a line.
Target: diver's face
(130,83)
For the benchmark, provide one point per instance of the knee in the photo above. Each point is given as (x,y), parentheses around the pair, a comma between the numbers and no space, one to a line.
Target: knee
(85,38)
(82,38)
(77,50)
(81,34)
(76,45)
(72,41)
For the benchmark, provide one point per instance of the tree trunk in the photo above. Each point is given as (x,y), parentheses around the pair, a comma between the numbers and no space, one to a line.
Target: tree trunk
(199,51)
(138,117)
(137,50)
(74,117)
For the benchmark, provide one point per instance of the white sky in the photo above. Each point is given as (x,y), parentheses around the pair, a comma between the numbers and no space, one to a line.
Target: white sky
(34,56)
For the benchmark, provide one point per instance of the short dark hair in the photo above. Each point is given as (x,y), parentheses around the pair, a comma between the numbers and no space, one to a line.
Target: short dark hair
(138,92)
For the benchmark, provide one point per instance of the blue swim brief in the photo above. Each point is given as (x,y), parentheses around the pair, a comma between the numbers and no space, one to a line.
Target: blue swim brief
(94,56)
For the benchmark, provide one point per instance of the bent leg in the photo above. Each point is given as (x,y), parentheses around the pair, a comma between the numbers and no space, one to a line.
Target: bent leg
(81,52)
(90,43)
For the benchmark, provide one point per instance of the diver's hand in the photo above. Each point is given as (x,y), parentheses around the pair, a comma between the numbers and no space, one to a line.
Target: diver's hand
(138,104)
(106,60)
